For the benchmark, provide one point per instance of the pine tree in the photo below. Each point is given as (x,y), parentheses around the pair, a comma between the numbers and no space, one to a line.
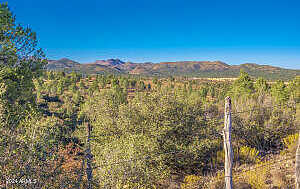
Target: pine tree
(279,92)
(243,86)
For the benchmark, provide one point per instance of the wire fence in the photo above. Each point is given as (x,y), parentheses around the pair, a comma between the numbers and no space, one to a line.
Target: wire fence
(241,174)
(218,120)
(214,135)
(237,174)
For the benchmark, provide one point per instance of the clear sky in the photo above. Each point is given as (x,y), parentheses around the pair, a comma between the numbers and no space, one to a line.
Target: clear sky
(232,31)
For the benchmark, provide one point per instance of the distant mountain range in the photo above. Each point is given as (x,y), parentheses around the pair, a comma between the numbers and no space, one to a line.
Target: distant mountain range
(180,68)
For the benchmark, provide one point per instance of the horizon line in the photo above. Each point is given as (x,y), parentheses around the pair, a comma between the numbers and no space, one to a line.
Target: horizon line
(153,62)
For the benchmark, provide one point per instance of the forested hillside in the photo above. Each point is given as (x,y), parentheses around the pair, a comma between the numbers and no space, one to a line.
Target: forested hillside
(69,130)
(203,69)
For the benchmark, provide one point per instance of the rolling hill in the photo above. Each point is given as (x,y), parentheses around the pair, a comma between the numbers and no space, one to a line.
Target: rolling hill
(180,68)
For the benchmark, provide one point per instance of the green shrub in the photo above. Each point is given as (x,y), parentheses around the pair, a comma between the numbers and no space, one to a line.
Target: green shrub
(161,132)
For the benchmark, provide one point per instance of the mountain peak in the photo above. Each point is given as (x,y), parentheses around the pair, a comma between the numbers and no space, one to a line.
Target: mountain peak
(62,63)
(64,59)
(109,62)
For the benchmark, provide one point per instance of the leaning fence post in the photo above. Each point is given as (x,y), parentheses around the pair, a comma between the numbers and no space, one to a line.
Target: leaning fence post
(227,144)
(89,171)
(298,164)
(78,184)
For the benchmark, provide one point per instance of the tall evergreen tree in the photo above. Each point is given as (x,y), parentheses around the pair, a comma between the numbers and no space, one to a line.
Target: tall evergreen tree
(279,92)
(243,86)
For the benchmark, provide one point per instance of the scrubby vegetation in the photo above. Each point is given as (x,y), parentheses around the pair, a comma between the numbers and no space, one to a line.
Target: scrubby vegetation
(145,133)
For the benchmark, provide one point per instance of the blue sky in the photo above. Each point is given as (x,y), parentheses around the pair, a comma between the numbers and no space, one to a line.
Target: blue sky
(233,31)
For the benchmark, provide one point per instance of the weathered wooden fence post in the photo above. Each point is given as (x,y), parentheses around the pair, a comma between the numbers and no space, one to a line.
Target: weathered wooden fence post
(78,184)
(298,164)
(227,144)
(89,170)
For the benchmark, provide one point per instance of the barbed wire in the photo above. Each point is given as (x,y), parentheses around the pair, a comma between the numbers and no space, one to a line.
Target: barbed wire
(238,174)
(141,158)
(219,120)
(267,165)
(181,151)
(193,135)
(266,107)
(215,134)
